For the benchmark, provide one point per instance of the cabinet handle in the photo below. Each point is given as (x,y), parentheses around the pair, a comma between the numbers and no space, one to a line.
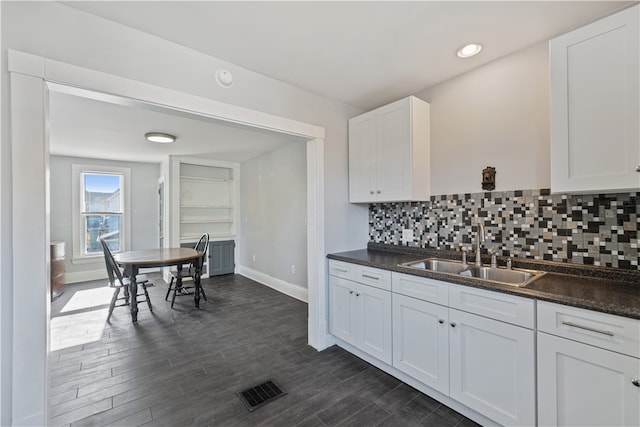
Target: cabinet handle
(371,192)
(357,295)
(586,328)
(370,277)
(440,321)
(379,191)
(637,168)
(341,270)
(350,292)
(453,324)
(636,382)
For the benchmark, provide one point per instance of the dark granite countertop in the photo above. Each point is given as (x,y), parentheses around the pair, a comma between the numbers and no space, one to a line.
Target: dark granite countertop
(608,290)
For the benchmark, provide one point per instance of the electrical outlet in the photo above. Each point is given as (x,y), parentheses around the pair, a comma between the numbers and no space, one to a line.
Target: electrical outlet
(407,235)
(293,269)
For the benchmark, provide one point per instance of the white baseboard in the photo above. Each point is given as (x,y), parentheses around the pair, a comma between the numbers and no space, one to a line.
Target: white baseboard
(86,276)
(295,291)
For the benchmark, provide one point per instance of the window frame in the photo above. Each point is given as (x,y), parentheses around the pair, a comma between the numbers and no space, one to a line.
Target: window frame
(77,218)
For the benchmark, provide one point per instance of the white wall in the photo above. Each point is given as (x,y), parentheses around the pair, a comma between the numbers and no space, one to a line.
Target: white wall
(144,209)
(273,206)
(6,313)
(56,31)
(496,115)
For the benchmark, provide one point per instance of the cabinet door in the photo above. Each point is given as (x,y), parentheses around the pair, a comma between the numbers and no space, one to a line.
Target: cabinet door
(362,158)
(342,307)
(393,147)
(374,321)
(221,258)
(595,95)
(581,385)
(492,368)
(421,341)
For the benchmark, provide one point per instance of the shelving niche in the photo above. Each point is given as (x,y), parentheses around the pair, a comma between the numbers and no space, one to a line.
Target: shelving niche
(206,201)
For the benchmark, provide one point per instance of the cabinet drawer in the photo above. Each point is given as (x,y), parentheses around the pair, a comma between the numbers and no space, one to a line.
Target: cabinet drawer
(421,288)
(362,274)
(373,277)
(602,330)
(495,305)
(341,269)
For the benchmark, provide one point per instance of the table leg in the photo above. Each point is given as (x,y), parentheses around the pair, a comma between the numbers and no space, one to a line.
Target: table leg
(179,279)
(178,287)
(196,282)
(133,293)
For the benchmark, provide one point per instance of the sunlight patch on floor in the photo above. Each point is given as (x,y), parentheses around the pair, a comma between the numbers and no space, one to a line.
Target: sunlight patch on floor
(85,326)
(76,329)
(89,298)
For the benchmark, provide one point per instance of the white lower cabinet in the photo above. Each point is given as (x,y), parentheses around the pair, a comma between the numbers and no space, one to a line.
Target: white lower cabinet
(588,383)
(492,368)
(485,364)
(582,385)
(478,347)
(342,308)
(421,341)
(360,315)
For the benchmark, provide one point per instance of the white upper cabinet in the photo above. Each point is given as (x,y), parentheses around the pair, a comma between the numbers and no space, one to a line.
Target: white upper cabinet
(595,93)
(389,153)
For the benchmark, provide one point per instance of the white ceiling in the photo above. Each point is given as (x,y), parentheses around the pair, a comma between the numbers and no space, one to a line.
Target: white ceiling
(85,127)
(361,53)
(365,54)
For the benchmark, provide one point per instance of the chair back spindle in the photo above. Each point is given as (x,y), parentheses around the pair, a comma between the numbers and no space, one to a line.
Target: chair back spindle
(117,280)
(203,245)
(113,271)
(179,289)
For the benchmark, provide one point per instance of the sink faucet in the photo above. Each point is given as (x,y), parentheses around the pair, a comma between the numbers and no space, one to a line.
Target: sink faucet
(479,241)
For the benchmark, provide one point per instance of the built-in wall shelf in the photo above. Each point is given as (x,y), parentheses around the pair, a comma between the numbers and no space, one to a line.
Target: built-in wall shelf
(206,199)
(194,237)
(201,178)
(206,206)
(204,221)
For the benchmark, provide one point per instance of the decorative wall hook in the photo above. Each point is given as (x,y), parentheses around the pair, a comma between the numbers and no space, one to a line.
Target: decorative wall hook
(489,178)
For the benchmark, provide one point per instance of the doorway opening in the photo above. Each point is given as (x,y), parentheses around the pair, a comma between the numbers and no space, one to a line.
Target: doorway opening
(31,81)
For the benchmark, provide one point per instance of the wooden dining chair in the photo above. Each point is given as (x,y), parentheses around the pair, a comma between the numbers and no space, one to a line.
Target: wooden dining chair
(179,289)
(117,282)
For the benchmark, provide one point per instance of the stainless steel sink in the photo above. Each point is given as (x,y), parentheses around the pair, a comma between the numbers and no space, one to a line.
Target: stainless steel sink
(515,277)
(435,264)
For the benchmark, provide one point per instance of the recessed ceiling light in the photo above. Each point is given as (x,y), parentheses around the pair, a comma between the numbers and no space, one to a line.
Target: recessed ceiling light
(469,50)
(160,137)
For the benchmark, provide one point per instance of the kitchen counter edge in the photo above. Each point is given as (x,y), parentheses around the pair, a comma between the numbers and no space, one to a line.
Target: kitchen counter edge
(600,289)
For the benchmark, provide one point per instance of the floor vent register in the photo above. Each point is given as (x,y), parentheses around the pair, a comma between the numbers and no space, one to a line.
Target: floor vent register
(255,397)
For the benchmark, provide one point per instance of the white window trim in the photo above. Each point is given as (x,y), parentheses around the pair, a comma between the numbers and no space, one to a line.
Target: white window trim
(76,170)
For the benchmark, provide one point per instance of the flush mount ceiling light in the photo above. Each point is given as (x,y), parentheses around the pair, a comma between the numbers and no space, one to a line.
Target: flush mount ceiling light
(469,50)
(160,137)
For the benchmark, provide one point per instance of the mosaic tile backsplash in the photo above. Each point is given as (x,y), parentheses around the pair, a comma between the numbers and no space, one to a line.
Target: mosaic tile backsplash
(592,229)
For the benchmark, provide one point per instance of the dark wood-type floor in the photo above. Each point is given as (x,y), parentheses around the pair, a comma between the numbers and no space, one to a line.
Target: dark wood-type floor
(183,367)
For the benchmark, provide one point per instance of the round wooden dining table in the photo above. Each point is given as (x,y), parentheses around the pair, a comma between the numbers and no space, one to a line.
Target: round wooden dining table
(133,261)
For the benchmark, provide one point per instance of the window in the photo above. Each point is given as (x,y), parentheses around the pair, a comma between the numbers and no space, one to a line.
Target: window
(100,209)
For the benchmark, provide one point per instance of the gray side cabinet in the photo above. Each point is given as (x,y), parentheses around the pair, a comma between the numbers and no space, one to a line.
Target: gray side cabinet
(221,258)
